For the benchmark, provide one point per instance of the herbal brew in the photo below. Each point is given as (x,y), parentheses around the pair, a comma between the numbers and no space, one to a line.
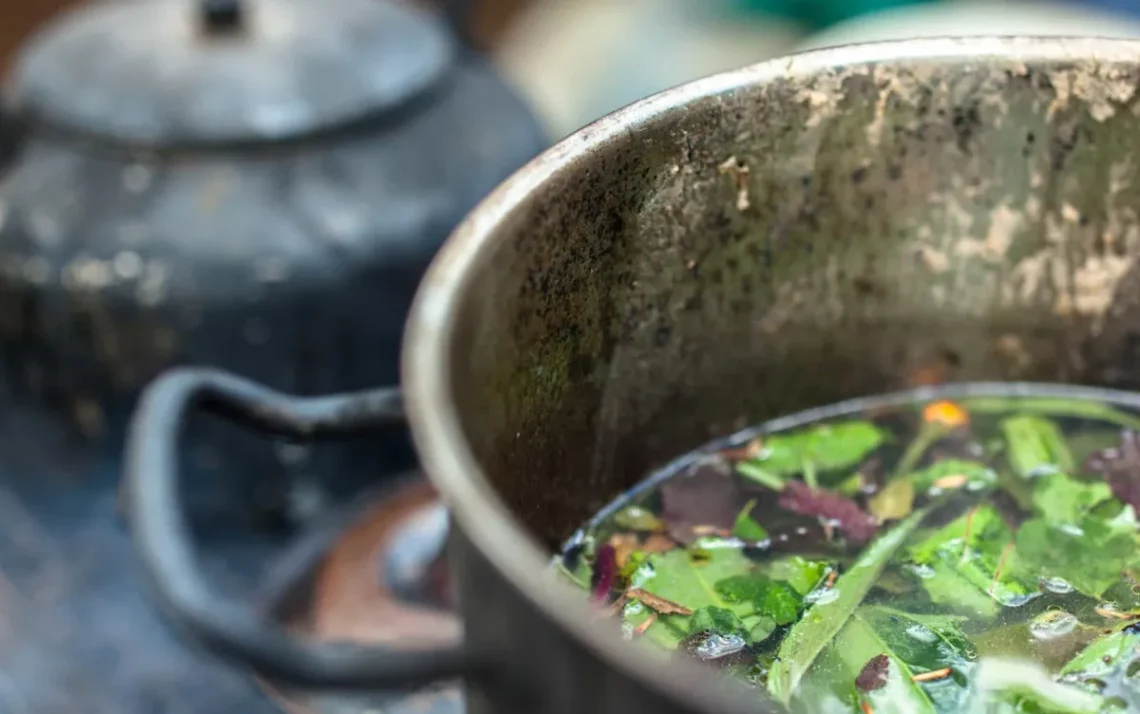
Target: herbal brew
(976,554)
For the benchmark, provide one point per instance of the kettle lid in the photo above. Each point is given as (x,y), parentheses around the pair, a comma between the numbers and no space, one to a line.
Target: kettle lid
(175,72)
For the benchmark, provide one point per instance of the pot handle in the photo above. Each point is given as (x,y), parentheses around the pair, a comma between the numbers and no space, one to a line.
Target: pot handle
(162,537)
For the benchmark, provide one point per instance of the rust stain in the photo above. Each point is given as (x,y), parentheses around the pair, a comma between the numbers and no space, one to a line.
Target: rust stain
(351,602)
(738,171)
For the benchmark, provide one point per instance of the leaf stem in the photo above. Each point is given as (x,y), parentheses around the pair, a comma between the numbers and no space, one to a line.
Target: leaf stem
(966,534)
(1000,566)
(927,436)
(566,573)
(810,477)
(932,676)
(760,475)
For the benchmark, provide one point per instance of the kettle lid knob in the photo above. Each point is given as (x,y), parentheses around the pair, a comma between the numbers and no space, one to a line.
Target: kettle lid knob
(219,17)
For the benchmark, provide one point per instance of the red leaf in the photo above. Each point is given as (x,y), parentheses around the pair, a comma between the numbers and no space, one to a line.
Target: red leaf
(605,573)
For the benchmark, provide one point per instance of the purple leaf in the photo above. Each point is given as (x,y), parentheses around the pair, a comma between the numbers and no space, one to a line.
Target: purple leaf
(847,516)
(1120,466)
(706,498)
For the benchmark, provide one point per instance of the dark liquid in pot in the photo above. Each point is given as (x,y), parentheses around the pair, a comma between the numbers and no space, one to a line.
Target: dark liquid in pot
(972,550)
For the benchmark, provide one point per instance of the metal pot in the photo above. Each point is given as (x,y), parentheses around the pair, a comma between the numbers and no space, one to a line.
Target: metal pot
(788,235)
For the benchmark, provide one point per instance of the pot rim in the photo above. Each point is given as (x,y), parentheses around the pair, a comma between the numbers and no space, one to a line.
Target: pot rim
(447,457)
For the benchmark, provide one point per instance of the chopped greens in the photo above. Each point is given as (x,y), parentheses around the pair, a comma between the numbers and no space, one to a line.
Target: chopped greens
(977,556)
(1090,554)
(821,623)
(976,548)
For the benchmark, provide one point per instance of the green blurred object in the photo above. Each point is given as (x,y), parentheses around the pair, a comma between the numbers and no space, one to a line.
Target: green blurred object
(818,14)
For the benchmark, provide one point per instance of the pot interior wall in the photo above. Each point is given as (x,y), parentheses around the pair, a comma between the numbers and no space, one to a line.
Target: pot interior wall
(790,243)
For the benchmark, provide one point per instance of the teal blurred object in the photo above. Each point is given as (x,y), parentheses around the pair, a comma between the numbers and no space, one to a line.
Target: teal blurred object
(818,14)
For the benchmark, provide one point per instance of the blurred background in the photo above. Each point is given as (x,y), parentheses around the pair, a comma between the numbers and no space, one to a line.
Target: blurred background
(395,195)
(576,60)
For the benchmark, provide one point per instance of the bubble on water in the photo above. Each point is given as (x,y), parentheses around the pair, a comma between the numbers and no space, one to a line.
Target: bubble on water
(925,572)
(716,646)
(1057,585)
(921,633)
(1071,529)
(822,596)
(1053,624)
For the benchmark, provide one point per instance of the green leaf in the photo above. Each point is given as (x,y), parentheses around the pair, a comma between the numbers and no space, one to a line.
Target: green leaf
(583,570)
(636,560)
(636,518)
(579,577)
(974,546)
(715,619)
(743,588)
(1103,667)
(777,600)
(926,642)
(1092,409)
(913,643)
(679,577)
(946,586)
(761,627)
(782,603)
(1060,499)
(1067,550)
(976,474)
(1017,687)
(746,528)
(851,486)
(825,447)
(824,619)
(1035,445)
(755,472)
(802,574)
(1104,655)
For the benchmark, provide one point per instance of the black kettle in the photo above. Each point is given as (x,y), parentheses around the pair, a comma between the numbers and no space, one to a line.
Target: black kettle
(250,184)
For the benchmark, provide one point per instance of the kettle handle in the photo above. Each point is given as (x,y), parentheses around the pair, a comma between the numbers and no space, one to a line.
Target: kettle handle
(162,539)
